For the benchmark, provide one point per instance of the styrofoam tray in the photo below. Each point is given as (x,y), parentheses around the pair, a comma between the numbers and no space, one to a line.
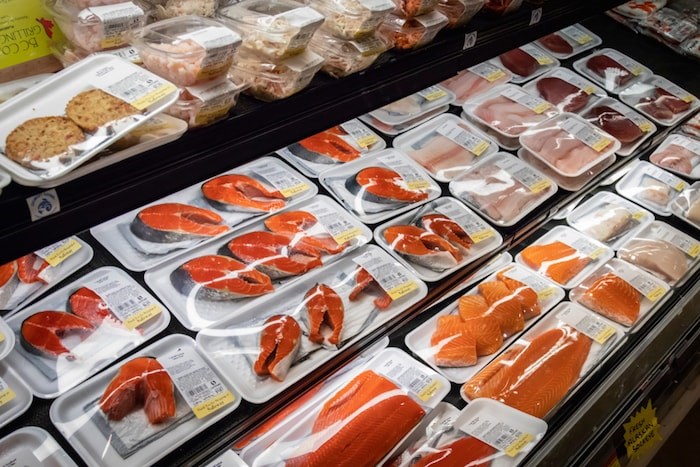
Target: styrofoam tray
(593,92)
(645,125)
(487,71)
(633,95)
(33,446)
(637,70)
(686,143)
(664,186)
(509,144)
(11,89)
(20,402)
(686,205)
(413,106)
(566,183)
(393,130)
(580,39)
(542,68)
(8,339)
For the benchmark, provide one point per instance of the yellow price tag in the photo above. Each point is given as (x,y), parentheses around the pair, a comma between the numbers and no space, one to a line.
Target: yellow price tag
(606,333)
(584,39)
(680,186)
(62,253)
(541,107)
(545,293)
(595,254)
(482,235)
(589,90)
(402,290)
(2,337)
(420,184)
(112,42)
(688,98)
(544,60)
(694,250)
(429,391)
(480,148)
(211,113)
(367,141)
(434,95)
(638,216)
(601,144)
(347,236)
(656,293)
(154,96)
(212,405)
(539,186)
(6,396)
(137,319)
(636,71)
(645,127)
(495,75)
(150,127)
(516,446)
(294,190)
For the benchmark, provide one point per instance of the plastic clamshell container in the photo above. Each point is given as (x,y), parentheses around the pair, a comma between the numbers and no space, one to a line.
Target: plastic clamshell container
(520,188)
(566,183)
(21,399)
(8,339)
(545,62)
(233,345)
(30,446)
(488,239)
(369,208)
(413,106)
(651,186)
(567,102)
(462,143)
(393,130)
(596,253)
(686,206)
(609,75)
(661,100)
(411,33)
(459,12)
(12,88)
(345,57)
(68,53)
(678,154)
(275,29)
(207,103)
(475,81)
(352,19)
(99,441)
(138,254)
(165,9)
(599,115)
(578,38)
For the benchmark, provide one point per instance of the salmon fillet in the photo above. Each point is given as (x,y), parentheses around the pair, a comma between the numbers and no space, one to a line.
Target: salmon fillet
(505,306)
(528,296)
(464,452)
(556,260)
(614,298)
(485,330)
(455,343)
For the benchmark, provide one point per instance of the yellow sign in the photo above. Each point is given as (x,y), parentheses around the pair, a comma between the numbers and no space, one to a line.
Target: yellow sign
(606,333)
(584,39)
(495,75)
(541,107)
(481,235)
(6,396)
(544,60)
(212,405)
(154,96)
(656,293)
(429,391)
(601,144)
(595,254)
(27,30)
(645,127)
(539,186)
(688,98)
(434,95)
(516,446)
(62,253)
(401,290)
(641,432)
(294,190)
(545,293)
(639,215)
(209,114)
(348,235)
(137,319)
(480,148)
(420,184)
(694,250)
(367,141)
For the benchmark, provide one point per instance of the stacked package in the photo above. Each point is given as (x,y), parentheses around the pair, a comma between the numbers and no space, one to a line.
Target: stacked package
(413,23)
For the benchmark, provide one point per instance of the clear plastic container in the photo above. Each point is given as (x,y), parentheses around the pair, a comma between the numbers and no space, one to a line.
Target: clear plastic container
(459,12)
(68,53)
(206,103)
(661,100)
(628,126)
(566,89)
(566,183)
(269,81)
(639,9)
(188,50)
(411,33)
(276,29)
(91,3)
(475,81)
(413,106)
(412,8)
(352,19)
(345,57)
(686,206)
(651,186)
(678,154)
(165,9)
(526,62)
(612,70)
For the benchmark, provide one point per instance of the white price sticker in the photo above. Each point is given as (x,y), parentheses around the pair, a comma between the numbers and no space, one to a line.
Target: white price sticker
(673,89)
(633,67)
(421,384)
(363,136)
(411,176)
(488,71)
(477,229)
(335,223)
(59,252)
(285,182)
(139,88)
(6,393)
(577,35)
(648,287)
(497,434)
(525,175)
(587,323)
(305,19)
(389,275)
(369,46)
(535,282)
(432,93)
(585,133)
(669,179)
(519,96)
(116,20)
(587,247)
(128,302)
(686,244)
(542,57)
(463,137)
(219,44)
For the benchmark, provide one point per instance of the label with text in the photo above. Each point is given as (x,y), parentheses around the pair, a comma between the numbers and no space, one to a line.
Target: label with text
(633,67)
(488,71)
(421,384)
(525,175)
(577,34)
(335,223)
(389,275)
(667,178)
(463,137)
(497,433)
(128,302)
(432,93)
(116,20)
(59,252)
(363,136)
(585,133)
(413,178)
(542,57)
(588,324)
(519,96)
(284,181)
(472,224)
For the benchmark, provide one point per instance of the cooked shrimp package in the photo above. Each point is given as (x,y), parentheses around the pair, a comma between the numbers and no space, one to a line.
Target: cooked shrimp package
(612,70)
(622,293)
(82,328)
(503,188)
(351,19)
(143,408)
(379,186)
(569,342)
(147,236)
(393,130)
(652,187)
(678,154)
(609,218)
(413,106)
(207,103)
(565,256)
(411,33)
(569,41)
(663,251)
(661,100)
(268,349)
(224,278)
(476,80)
(445,146)
(343,57)
(630,128)
(16,396)
(467,334)
(438,239)
(686,206)
(566,90)
(459,12)
(30,446)
(566,183)
(25,278)
(526,62)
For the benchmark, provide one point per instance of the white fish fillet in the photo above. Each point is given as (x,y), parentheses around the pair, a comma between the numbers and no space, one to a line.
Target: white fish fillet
(656,256)
(608,223)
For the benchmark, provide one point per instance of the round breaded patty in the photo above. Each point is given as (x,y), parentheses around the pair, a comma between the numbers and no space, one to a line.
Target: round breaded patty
(41,138)
(94,108)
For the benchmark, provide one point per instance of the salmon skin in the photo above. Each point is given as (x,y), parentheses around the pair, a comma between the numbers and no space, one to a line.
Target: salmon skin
(175,222)
(220,278)
(303,227)
(448,229)
(41,333)
(364,280)
(7,272)
(326,147)
(463,452)
(324,307)
(556,260)
(235,192)
(85,303)
(140,382)
(614,298)
(422,247)
(358,425)
(382,185)
(280,341)
(29,268)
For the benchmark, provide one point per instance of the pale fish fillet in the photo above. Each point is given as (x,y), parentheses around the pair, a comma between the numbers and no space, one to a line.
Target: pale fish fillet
(609,222)
(694,211)
(440,154)
(409,105)
(655,191)
(656,256)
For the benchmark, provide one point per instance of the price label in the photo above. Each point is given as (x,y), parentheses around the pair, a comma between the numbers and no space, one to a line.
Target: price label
(488,71)
(538,54)
(686,244)
(645,125)
(633,67)
(369,46)
(588,248)
(420,383)
(59,252)
(576,34)
(463,137)
(524,174)
(432,93)
(673,89)
(667,178)
(477,229)
(116,20)
(533,103)
(363,136)
(587,323)
(571,78)
(305,19)
(335,223)
(128,53)
(390,276)
(6,393)
(411,176)
(128,302)
(139,88)
(639,215)
(284,181)
(497,433)
(219,44)
(648,287)
(543,289)
(686,143)
(585,133)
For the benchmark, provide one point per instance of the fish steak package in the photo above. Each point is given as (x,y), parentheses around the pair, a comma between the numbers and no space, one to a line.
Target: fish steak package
(678,154)
(526,62)
(33,446)
(266,350)
(352,19)
(15,396)
(393,130)
(137,412)
(566,183)
(467,334)
(686,206)
(565,256)
(332,147)
(413,106)
(503,188)
(569,342)
(661,100)
(25,278)
(412,33)
(570,41)
(612,70)
(148,236)
(221,279)
(438,239)
(476,80)
(377,187)
(566,90)
(64,121)
(652,187)
(82,328)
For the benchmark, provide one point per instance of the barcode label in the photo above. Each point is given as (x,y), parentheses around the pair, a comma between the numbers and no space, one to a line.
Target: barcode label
(335,223)
(585,133)
(488,71)
(533,103)
(633,67)
(6,393)
(411,176)
(219,44)
(571,78)
(643,124)
(59,252)
(587,323)
(305,19)
(673,89)
(389,275)
(524,174)
(587,247)
(468,140)
(422,385)
(139,88)
(647,286)
(432,93)
(534,281)
(685,142)
(577,35)
(667,178)
(686,244)
(477,229)
(363,136)
(284,181)
(369,46)
(497,433)
(542,57)
(116,20)
(129,302)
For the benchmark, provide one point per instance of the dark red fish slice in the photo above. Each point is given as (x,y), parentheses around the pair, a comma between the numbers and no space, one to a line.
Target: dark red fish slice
(557,91)
(609,69)
(519,62)
(615,123)
(41,333)
(29,267)
(556,44)
(87,304)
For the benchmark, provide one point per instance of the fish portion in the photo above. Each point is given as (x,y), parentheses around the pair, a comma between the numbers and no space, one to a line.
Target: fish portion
(561,150)
(7,272)
(508,116)
(463,452)
(303,227)
(440,155)
(85,303)
(662,105)
(608,223)
(613,122)
(519,62)
(529,299)
(504,306)
(654,191)
(175,222)
(610,70)
(363,281)
(140,382)
(556,260)
(458,342)
(656,256)
(448,229)
(382,185)
(614,298)
(29,268)
(327,147)
(422,247)
(235,192)
(280,341)
(676,158)
(562,93)
(467,85)
(324,308)
(41,333)
(557,44)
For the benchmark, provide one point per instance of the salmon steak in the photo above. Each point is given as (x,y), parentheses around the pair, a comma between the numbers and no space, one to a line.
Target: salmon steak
(614,298)
(363,281)
(85,303)
(463,452)
(41,333)
(280,341)
(382,185)
(535,377)
(358,425)
(220,278)
(324,308)
(448,229)
(303,227)
(235,192)
(273,254)
(29,268)
(7,272)
(140,382)
(422,247)
(326,147)
(556,260)
(175,222)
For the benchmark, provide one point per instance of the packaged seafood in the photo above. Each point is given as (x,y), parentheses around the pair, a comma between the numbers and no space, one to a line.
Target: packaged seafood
(352,19)
(661,100)
(569,41)
(83,110)
(651,186)
(629,127)
(92,322)
(269,81)
(222,279)
(165,9)
(268,349)
(145,407)
(274,29)
(692,46)
(345,57)
(68,53)
(91,3)
(413,106)
(459,12)
(566,183)
(612,69)
(502,7)
(31,445)
(639,9)
(526,62)
(538,372)
(7,342)
(12,88)
(438,239)
(678,154)
(671,26)
(662,250)
(16,396)
(566,90)
(569,144)
(692,127)
(565,256)
(25,278)
(393,130)
(337,145)
(411,33)
(474,81)
(503,188)
(467,334)
(147,236)
(206,103)
(686,205)
(506,143)
(381,185)
(609,219)
(412,8)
